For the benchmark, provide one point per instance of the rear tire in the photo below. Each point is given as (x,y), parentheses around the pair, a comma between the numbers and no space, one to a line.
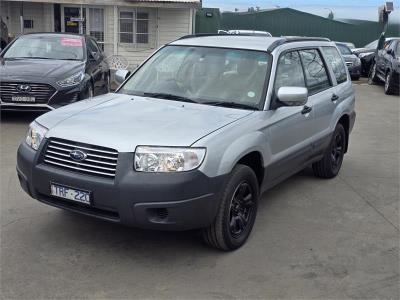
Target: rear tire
(329,166)
(237,211)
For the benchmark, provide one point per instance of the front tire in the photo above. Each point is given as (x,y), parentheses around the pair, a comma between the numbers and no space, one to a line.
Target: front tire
(373,78)
(237,211)
(329,166)
(390,84)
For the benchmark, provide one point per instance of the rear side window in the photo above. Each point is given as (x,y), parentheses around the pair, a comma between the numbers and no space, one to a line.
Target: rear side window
(289,71)
(317,78)
(335,60)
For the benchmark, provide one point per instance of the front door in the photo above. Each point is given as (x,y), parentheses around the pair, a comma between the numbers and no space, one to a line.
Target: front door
(289,129)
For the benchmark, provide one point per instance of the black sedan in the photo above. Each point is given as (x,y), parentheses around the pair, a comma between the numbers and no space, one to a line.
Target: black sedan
(386,67)
(43,71)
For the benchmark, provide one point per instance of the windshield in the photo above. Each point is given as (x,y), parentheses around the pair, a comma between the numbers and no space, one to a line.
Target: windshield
(344,49)
(47,47)
(204,75)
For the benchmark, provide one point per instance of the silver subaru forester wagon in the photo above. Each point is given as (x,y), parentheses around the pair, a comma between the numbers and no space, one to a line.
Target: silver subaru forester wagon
(195,135)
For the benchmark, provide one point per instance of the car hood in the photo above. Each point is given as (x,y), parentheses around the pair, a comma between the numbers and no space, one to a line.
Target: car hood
(362,50)
(123,122)
(26,69)
(350,57)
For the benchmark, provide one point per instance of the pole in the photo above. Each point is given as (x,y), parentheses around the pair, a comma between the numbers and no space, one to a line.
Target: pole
(21,18)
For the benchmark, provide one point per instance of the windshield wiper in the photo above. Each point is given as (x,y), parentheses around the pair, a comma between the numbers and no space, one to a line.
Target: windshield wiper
(169,97)
(231,105)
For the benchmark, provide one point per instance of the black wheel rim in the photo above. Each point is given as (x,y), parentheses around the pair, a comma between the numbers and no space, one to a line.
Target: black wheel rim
(337,150)
(241,210)
(387,82)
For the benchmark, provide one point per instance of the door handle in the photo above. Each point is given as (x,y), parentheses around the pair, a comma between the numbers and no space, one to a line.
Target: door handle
(335,98)
(306,110)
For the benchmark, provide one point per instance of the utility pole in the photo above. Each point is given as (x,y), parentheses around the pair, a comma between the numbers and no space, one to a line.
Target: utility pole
(384,12)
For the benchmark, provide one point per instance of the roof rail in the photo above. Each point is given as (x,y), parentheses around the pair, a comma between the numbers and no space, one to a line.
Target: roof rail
(293,39)
(220,34)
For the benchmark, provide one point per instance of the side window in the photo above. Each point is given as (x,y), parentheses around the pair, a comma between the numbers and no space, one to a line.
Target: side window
(317,78)
(335,60)
(289,71)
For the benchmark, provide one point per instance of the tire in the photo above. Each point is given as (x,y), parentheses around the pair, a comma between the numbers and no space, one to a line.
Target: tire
(355,78)
(373,78)
(390,84)
(329,166)
(237,211)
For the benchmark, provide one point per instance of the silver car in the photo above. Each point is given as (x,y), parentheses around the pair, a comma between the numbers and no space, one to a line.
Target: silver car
(195,135)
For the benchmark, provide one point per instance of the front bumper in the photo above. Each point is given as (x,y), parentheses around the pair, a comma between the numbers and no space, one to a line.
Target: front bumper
(179,201)
(60,97)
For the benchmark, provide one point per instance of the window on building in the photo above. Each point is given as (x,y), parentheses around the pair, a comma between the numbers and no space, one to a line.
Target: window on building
(28,24)
(134,27)
(96,25)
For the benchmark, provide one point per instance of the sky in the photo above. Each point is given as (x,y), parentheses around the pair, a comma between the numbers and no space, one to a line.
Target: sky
(343,9)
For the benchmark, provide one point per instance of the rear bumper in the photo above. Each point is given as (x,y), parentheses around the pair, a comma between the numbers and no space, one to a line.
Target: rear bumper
(355,71)
(179,201)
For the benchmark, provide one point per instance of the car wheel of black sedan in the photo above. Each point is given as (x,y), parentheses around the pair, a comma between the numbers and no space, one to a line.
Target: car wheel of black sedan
(237,212)
(373,78)
(390,84)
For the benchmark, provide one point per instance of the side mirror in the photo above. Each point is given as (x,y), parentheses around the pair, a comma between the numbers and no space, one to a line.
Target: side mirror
(293,96)
(94,56)
(121,76)
(389,51)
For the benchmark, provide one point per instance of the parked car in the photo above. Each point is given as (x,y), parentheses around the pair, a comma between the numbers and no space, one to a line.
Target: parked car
(348,44)
(195,135)
(44,71)
(353,63)
(386,67)
(3,34)
(367,55)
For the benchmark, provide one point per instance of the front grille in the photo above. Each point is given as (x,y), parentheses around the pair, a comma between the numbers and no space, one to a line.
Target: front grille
(349,64)
(100,161)
(42,92)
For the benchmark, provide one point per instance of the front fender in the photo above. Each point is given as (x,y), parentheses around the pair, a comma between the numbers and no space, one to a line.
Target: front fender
(221,159)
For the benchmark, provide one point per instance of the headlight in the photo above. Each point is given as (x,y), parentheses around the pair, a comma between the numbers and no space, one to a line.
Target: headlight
(165,159)
(72,80)
(357,62)
(35,135)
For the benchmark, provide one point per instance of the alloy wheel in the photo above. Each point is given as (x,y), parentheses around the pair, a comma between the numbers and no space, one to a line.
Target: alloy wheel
(241,209)
(337,151)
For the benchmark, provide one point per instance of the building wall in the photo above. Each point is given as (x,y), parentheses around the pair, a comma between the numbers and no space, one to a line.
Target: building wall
(165,25)
(40,13)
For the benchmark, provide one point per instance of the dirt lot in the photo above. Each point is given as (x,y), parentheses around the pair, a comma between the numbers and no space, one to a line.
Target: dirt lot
(312,239)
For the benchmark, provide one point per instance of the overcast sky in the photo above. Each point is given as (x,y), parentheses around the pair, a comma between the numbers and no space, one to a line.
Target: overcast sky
(348,9)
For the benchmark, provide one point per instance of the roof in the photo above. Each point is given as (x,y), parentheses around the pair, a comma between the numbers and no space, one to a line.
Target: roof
(140,3)
(242,41)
